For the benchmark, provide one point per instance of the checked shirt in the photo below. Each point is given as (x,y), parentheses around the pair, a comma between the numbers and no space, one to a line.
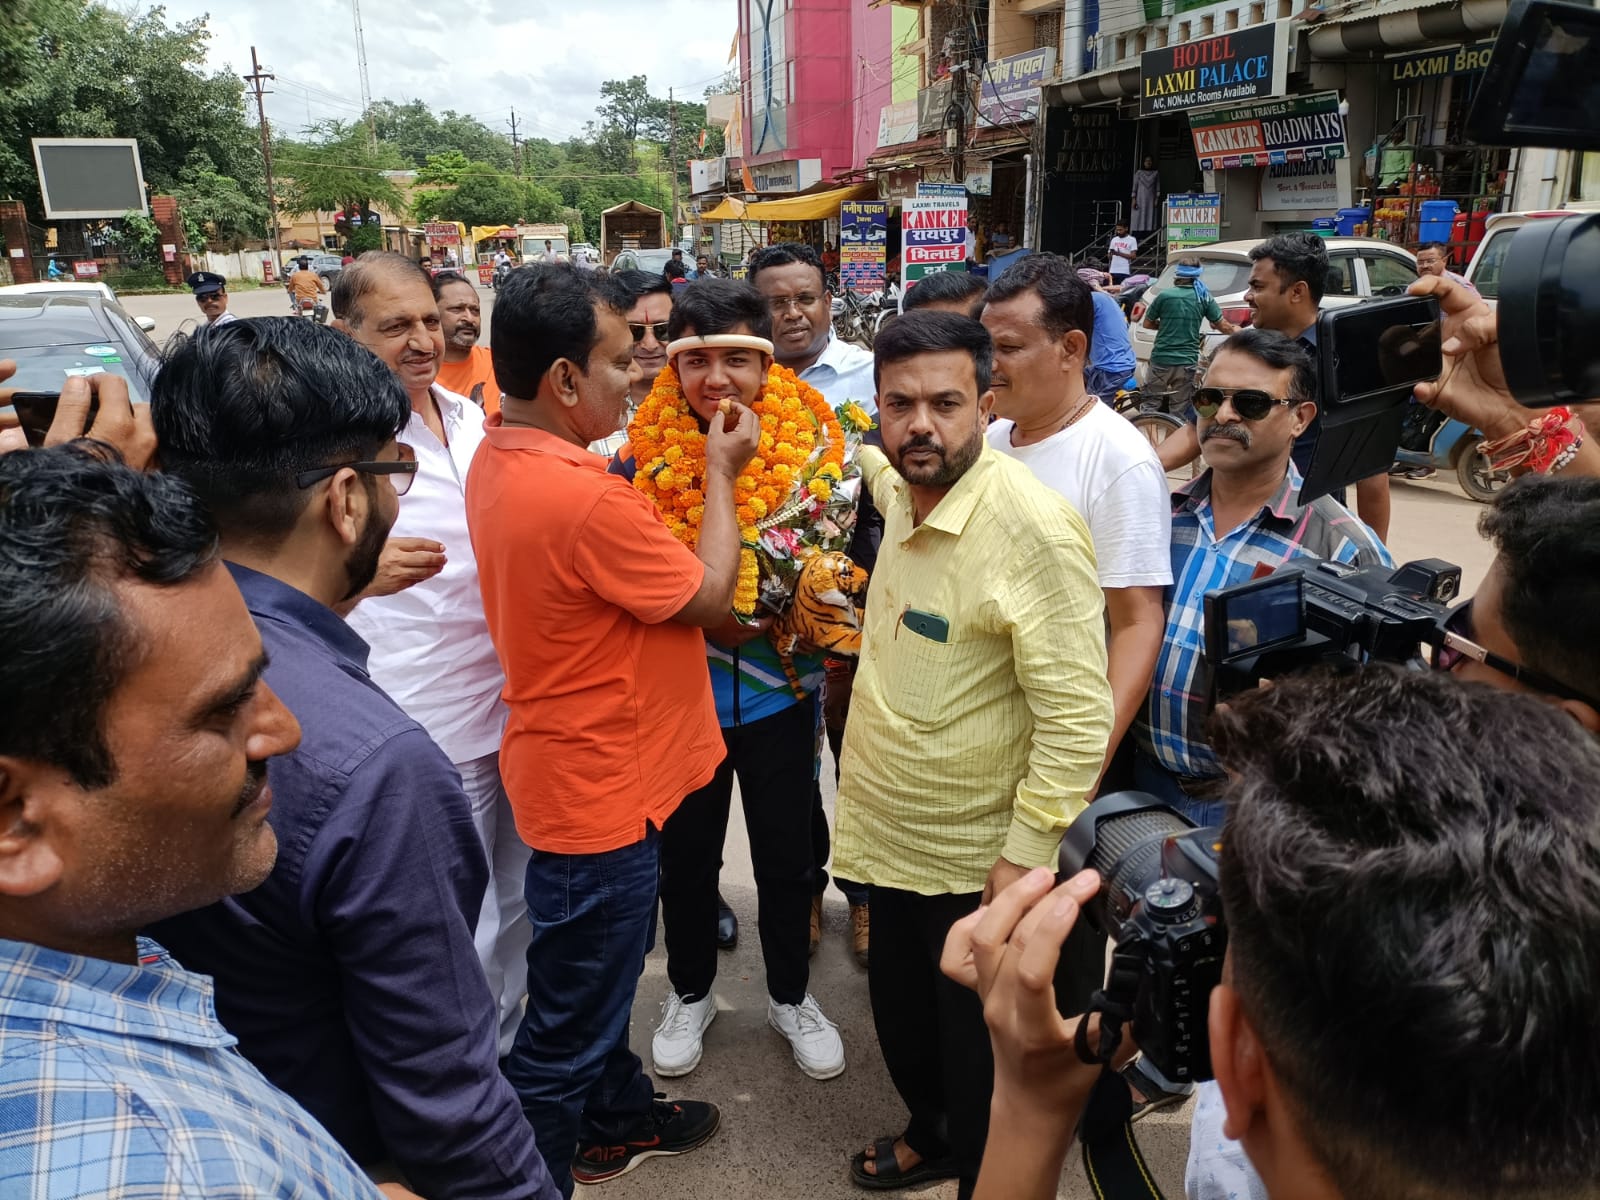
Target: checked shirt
(1172,726)
(117,1080)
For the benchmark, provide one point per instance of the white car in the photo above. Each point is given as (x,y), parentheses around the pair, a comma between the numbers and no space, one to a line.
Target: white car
(96,288)
(1358,269)
(1489,259)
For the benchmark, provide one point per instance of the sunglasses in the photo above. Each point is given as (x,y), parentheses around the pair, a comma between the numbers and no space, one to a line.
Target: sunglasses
(1453,644)
(658,328)
(1250,403)
(401,471)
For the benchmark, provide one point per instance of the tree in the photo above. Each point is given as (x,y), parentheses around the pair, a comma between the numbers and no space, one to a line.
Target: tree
(71,68)
(416,133)
(339,171)
(477,194)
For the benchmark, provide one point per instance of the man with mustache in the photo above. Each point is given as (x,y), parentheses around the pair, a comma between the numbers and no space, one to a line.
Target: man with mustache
(1238,519)
(466,368)
(423,615)
(980,719)
(349,975)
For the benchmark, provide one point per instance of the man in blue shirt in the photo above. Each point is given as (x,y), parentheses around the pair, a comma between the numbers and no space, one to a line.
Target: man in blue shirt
(1111,358)
(1237,519)
(349,976)
(135,735)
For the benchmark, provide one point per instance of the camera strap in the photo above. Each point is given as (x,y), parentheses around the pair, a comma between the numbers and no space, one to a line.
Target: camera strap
(1111,1158)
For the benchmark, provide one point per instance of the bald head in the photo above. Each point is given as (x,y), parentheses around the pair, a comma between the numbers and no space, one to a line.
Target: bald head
(353,285)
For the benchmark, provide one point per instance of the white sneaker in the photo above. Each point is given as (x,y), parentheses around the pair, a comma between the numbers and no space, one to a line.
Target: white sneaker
(818,1049)
(676,1046)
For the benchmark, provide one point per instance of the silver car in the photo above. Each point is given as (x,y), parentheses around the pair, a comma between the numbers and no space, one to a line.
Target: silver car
(1358,269)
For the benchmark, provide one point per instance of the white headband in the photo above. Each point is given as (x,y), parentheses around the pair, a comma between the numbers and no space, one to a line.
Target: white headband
(740,341)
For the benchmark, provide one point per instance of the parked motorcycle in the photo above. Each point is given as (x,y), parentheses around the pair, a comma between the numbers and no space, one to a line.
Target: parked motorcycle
(854,319)
(1431,442)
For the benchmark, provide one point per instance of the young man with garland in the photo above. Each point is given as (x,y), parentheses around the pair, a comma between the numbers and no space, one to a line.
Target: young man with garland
(720,351)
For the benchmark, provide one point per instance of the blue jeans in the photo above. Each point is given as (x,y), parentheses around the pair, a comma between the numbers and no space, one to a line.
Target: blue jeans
(1098,381)
(1150,776)
(593,918)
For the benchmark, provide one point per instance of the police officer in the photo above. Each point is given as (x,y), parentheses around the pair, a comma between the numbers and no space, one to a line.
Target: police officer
(211,294)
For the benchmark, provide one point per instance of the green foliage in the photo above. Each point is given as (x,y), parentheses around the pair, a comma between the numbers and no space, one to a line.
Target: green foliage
(145,278)
(136,235)
(74,68)
(368,237)
(416,134)
(338,170)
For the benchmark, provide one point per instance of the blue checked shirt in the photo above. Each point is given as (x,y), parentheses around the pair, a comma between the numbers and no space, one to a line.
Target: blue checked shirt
(117,1080)
(1171,729)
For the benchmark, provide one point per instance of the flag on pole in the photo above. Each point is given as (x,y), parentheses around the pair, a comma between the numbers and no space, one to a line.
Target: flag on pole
(701,142)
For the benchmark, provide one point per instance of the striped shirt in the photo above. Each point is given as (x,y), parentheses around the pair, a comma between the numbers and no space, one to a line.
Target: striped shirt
(980,742)
(1180,696)
(117,1080)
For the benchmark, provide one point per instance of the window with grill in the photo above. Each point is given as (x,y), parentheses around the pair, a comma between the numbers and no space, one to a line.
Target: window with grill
(1047,30)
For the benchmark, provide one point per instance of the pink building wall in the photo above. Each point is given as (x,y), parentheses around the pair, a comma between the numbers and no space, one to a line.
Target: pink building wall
(824,45)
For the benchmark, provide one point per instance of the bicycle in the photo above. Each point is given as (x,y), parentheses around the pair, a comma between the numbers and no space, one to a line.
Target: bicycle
(1150,413)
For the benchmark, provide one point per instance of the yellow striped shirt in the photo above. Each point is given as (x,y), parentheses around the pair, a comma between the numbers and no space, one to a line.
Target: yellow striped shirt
(986,744)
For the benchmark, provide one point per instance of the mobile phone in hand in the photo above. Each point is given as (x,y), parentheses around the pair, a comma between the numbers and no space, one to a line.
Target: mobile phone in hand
(36,412)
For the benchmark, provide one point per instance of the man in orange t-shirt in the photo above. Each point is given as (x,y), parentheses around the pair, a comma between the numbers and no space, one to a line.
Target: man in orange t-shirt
(595,610)
(467,368)
(305,284)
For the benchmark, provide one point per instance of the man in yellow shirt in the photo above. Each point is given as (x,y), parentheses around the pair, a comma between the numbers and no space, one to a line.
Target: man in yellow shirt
(980,717)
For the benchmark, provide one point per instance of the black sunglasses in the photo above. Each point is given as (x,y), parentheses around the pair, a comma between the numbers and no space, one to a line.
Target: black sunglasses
(401,471)
(1453,643)
(659,328)
(1250,403)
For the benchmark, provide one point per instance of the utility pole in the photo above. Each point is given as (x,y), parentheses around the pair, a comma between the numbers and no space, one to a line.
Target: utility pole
(516,146)
(255,79)
(672,160)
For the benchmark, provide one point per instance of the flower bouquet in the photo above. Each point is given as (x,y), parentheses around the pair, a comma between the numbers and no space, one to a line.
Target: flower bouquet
(797,495)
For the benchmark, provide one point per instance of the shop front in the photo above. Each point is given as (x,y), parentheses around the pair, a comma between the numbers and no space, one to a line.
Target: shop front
(1413,169)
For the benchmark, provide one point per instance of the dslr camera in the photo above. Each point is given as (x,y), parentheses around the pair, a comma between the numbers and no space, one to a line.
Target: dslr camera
(1161,907)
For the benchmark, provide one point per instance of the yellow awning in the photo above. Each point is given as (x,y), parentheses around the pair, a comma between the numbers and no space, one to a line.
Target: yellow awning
(731,209)
(815,207)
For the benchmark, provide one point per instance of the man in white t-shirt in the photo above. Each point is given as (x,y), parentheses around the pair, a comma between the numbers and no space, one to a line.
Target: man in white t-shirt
(423,614)
(1041,316)
(1124,248)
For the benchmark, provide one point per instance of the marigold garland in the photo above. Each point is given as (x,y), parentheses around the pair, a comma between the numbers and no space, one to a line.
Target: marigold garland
(669,451)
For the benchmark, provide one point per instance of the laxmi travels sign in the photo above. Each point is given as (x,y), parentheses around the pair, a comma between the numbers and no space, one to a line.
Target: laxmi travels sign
(933,235)
(1248,64)
(1299,129)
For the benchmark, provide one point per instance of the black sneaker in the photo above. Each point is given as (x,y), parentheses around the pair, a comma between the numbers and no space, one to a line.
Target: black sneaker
(673,1127)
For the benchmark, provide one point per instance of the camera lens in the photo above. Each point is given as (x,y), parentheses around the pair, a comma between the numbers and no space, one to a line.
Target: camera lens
(1120,837)
(1549,294)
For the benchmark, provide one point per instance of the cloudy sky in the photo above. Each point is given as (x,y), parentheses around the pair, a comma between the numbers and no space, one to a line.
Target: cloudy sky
(545,58)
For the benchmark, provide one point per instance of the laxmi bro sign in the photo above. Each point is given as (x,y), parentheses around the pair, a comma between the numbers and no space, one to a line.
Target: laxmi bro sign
(1249,64)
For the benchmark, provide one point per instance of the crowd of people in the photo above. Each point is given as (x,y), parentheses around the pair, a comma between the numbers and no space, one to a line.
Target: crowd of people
(361,706)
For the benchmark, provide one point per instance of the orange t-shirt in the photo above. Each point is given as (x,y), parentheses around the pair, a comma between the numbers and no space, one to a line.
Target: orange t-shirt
(475,370)
(305,284)
(611,717)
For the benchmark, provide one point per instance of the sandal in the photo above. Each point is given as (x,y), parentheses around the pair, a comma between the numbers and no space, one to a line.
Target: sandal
(889,1178)
(1155,1095)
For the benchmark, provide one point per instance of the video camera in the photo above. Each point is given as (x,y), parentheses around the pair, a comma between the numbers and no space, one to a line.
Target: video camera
(1539,89)
(1314,612)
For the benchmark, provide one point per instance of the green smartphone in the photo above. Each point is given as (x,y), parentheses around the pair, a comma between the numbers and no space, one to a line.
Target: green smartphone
(930,625)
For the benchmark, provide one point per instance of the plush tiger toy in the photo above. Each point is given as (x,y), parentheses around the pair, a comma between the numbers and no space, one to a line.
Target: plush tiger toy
(825,613)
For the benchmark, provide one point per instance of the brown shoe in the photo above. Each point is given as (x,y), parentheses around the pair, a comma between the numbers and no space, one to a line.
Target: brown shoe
(816,922)
(860,927)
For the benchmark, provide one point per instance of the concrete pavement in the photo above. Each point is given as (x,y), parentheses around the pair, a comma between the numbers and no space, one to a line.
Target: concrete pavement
(784,1135)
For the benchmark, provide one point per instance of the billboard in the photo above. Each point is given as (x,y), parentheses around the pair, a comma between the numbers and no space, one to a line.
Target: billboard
(1298,129)
(1248,64)
(87,178)
(863,238)
(1193,219)
(1009,92)
(933,235)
